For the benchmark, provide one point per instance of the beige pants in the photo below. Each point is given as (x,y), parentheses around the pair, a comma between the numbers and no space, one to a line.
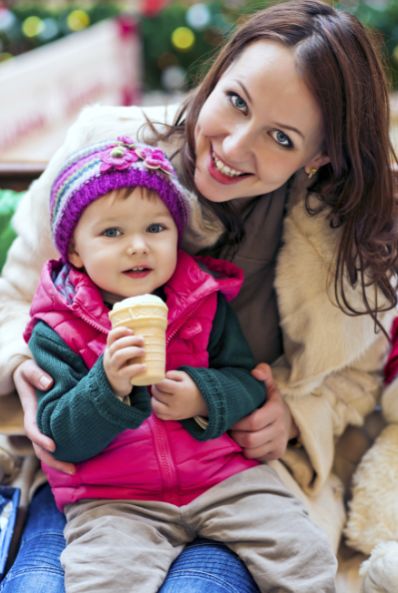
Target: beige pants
(124,546)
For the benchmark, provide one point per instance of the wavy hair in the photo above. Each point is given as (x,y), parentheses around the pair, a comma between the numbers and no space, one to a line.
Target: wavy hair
(340,61)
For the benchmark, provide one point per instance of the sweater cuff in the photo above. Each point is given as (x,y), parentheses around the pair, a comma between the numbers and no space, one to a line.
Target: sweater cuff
(209,387)
(110,407)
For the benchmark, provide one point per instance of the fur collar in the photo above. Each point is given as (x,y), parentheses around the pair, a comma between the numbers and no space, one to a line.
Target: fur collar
(307,304)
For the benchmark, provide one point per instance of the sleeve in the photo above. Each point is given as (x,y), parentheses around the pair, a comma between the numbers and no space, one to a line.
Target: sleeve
(80,412)
(33,244)
(331,372)
(227,386)
(344,398)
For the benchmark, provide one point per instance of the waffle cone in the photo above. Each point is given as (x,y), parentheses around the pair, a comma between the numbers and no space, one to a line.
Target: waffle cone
(146,315)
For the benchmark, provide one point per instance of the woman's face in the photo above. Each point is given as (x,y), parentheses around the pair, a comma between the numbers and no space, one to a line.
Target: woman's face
(259,125)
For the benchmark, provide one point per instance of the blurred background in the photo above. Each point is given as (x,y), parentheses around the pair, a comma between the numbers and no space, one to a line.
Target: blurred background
(57,56)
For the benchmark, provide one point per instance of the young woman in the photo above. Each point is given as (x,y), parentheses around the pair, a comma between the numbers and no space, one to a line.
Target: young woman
(287,132)
(149,476)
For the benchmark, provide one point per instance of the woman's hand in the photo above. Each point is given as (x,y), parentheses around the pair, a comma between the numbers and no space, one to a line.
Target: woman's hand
(264,434)
(28,377)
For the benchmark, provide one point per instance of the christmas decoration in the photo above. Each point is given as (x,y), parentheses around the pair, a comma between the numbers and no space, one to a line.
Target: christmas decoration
(382,16)
(177,36)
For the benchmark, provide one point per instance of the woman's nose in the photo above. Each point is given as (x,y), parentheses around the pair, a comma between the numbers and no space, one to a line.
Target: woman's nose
(237,145)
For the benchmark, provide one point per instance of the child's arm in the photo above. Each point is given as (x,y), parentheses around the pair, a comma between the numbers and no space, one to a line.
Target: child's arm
(227,387)
(80,412)
(122,350)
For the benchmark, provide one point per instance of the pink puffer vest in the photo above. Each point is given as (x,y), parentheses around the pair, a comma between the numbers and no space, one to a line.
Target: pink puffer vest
(159,460)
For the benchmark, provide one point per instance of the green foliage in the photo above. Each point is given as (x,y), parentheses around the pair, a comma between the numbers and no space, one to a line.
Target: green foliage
(160,54)
(9,200)
(54,23)
(381,16)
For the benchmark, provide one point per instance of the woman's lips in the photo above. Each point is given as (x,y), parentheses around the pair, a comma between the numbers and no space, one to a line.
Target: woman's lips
(222,177)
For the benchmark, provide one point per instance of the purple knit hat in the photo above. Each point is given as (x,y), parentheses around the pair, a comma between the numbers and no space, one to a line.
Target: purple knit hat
(101,168)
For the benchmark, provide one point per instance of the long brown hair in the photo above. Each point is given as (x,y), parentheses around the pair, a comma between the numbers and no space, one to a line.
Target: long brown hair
(340,62)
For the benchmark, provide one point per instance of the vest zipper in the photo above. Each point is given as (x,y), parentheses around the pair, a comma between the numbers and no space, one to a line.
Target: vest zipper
(92,323)
(160,432)
(175,326)
(165,459)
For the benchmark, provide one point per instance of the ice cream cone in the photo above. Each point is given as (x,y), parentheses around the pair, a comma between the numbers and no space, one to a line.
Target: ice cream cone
(146,315)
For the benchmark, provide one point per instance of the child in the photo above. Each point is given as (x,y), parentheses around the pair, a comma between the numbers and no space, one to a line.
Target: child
(151,476)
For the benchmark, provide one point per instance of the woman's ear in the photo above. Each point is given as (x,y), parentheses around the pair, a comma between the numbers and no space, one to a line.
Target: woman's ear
(74,258)
(317,162)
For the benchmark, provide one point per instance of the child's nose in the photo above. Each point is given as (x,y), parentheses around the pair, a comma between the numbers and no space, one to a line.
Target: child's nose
(137,245)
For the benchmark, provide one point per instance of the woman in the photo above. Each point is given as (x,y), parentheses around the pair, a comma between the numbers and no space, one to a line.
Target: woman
(289,129)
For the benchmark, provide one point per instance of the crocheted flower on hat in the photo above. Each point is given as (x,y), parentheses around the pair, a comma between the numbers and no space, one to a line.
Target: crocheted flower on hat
(155,159)
(126,141)
(118,157)
(126,152)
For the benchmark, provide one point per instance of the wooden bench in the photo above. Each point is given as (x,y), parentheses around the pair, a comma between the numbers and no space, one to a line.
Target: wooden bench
(18,176)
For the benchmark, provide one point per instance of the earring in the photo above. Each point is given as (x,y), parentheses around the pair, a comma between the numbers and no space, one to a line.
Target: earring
(310,171)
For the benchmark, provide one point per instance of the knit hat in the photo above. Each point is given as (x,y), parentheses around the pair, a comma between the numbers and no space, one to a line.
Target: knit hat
(96,170)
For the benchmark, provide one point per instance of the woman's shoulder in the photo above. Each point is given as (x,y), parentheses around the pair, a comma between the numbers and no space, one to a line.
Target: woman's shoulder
(97,123)
(101,122)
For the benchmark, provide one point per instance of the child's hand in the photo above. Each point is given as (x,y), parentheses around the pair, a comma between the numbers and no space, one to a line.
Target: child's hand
(177,398)
(121,351)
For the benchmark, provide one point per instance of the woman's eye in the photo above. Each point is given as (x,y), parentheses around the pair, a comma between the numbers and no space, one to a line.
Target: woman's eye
(282,139)
(237,101)
(112,232)
(155,228)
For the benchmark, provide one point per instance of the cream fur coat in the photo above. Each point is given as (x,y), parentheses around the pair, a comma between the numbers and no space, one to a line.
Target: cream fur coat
(330,374)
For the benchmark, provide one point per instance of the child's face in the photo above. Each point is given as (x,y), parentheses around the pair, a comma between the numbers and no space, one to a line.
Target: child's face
(127,245)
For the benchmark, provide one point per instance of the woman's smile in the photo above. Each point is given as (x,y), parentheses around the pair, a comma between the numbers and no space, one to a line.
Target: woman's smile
(222,172)
(258,126)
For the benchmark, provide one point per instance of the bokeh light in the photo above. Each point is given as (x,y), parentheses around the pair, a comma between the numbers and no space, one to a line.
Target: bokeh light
(50,30)
(173,78)
(7,19)
(32,26)
(183,38)
(78,20)
(198,16)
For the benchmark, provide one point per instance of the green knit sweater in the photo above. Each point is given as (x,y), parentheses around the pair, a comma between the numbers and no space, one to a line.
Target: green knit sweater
(82,415)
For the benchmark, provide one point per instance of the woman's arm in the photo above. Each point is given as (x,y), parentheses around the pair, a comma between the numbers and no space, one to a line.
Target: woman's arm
(330,374)
(343,398)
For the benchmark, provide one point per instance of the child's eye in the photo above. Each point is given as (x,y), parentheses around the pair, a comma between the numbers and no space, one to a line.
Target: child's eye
(155,227)
(237,101)
(282,139)
(112,232)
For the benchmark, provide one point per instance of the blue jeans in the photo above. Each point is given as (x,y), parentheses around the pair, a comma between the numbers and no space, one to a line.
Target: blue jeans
(203,566)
